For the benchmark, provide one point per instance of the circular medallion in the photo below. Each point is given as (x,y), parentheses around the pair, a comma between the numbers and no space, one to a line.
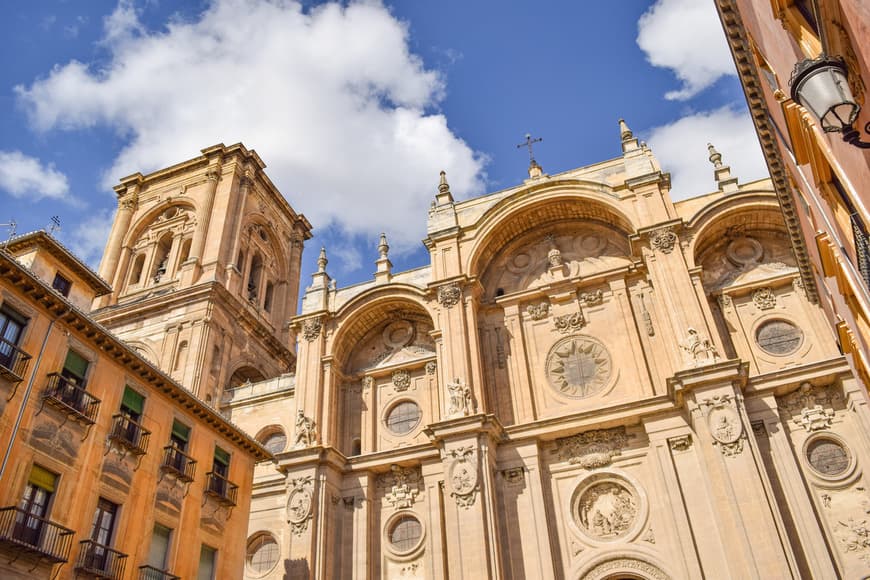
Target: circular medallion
(578,366)
(398,334)
(463,477)
(518,263)
(298,506)
(725,425)
(590,245)
(606,510)
(743,251)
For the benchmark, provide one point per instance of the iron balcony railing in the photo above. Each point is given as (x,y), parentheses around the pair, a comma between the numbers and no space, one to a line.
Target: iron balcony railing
(69,396)
(152,573)
(100,561)
(221,488)
(13,361)
(21,530)
(129,434)
(178,462)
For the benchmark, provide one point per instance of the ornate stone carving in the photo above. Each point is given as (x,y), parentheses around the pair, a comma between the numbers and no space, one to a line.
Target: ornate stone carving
(592,449)
(591,298)
(514,476)
(305,434)
(499,349)
(699,350)
(854,536)
(798,285)
(401,380)
(311,329)
(460,400)
(608,568)
(431,367)
(538,311)
(402,484)
(764,298)
(299,504)
(725,424)
(449,295)
(725,302)
(368,383)
(578,366)
(462,475)
(647,319)
(663,239)
(809,406)
(680,443)
(569,322)
(607,510)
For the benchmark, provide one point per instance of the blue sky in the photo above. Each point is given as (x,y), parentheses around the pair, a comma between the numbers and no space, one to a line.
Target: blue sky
(354,107)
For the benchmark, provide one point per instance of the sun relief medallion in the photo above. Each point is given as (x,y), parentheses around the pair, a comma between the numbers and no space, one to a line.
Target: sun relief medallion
(578,366)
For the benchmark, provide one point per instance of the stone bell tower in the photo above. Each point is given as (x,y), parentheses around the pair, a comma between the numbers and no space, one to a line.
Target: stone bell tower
(203,259)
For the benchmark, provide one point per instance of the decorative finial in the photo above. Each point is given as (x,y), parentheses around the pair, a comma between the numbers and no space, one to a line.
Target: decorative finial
(383,247)
(443,186)
(624,132)
(321,260)
(715,156)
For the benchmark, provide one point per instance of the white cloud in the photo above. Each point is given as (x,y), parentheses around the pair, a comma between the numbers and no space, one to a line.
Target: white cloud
(88,239)
(686,37)
(681,148)
(331,98)
(22,175)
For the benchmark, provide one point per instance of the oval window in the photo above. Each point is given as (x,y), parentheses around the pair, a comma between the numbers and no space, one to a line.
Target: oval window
(263,553)
(405,533)
(827,456)
(403,417)
(779,337)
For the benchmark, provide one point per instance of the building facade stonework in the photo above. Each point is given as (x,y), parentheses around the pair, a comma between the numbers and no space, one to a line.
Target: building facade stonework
(588,380)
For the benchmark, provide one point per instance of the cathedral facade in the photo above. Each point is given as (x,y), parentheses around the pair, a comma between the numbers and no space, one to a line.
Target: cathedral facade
(588,380)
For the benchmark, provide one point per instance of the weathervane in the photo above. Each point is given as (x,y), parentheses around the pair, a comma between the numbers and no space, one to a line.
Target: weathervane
(528,143)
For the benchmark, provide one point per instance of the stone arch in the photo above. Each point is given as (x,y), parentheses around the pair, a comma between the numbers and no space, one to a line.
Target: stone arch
(518,215)
(384,354)
(629,562)
(148,218)
(243,373)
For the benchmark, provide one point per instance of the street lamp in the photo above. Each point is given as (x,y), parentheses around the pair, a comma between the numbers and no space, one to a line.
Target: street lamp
(821,85)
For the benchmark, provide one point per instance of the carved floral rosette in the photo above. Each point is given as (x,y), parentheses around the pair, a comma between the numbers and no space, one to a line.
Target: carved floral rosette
(299,504)
(663,239)
(311,329)
(401,380)
(608,507)
(449,295)
(462,476)
(578,366)
(725,425)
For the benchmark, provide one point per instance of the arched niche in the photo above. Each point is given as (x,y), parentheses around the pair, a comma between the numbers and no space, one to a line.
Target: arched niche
(582,248)
(742,244)
(386,379)
(245,374)
(517,216)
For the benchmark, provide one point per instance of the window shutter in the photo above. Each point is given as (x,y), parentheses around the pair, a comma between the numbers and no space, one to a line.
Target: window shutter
(221,456)
(180,431)
(133,400)
(41,477)
(76,364)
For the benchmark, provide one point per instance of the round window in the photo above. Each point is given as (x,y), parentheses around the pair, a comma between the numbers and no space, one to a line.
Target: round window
(405,533)
(779,337)
(275,442)
(263,553)
(404,417)
(827,456)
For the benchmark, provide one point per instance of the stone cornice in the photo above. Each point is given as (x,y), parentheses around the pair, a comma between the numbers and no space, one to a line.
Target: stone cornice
(735,32)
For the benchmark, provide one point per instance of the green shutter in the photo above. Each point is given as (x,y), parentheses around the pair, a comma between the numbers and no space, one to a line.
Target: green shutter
(41,477)
(221,456)
(76,364)
(180,431)
(133,400)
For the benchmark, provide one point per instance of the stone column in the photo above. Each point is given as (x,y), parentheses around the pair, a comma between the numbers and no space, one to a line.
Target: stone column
(120,226)
(204,217)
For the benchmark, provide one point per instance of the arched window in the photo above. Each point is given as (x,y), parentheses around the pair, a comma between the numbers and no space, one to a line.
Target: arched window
(136,271)
(161,258)
(180,357)
(267,301)
(254,278)
(185,252)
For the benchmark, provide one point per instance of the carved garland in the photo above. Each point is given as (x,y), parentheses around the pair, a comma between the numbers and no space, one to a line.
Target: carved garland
(592,449)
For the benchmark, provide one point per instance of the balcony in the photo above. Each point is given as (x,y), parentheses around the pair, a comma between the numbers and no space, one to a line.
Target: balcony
(221,488)
(13,361)
(23,532)
(71,398)
(129,434)
(178,463)
(152,573)
(99,561)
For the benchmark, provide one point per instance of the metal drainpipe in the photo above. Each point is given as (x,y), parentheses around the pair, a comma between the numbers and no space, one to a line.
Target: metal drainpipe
(26,398)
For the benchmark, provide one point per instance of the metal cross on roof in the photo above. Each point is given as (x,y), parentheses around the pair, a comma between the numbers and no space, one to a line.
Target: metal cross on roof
(528,143)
